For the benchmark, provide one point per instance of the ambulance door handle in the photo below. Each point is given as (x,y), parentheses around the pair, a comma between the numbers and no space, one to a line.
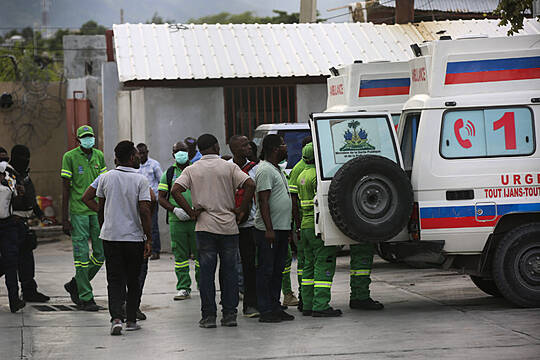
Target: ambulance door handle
(460,195)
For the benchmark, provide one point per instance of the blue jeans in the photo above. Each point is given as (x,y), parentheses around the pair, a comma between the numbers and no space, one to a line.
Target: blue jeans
(209,246)
(270,265)
(156,242)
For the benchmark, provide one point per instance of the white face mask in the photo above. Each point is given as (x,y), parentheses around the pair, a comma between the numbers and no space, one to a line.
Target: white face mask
(283,164)
(3,166)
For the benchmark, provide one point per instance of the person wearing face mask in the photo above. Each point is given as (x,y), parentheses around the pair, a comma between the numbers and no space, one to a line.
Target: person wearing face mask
(80,167)
(182,228)
(25,207)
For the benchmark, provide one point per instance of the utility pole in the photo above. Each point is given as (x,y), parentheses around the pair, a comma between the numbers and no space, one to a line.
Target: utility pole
(536,8)
(404,11)
(308,11)
(121,16)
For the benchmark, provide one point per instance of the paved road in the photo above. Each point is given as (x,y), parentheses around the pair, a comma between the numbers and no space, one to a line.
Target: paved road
(430,314)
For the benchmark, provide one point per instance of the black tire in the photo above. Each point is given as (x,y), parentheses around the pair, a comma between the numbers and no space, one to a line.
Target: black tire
(370,199)
(516,265)
(385,255)
(486,285)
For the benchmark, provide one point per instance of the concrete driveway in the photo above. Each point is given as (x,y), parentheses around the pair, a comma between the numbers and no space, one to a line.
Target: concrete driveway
(429,314)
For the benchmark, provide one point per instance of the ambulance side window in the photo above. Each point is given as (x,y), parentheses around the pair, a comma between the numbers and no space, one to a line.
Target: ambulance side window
(490,132)
(408,141)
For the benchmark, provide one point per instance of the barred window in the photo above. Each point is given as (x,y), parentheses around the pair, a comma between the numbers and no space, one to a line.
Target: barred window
(247,107)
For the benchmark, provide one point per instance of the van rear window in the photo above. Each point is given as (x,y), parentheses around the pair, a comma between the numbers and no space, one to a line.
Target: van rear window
(489,132)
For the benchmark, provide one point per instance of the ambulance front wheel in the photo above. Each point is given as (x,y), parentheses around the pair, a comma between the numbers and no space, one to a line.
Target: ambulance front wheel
(370,199)
(486,285)
(516,265)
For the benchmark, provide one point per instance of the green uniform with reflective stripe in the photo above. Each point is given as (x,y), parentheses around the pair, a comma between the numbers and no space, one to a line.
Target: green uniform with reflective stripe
(82,169)
(319,260)
(183,242)
(361,262)
(286,282)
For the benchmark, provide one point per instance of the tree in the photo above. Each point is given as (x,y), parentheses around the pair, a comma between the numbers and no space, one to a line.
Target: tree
(513,12)
(248,17)
(92,28)
(156,19)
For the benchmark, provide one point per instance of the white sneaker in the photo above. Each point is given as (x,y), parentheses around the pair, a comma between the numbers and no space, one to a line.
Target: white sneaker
(116,327)
(182,295)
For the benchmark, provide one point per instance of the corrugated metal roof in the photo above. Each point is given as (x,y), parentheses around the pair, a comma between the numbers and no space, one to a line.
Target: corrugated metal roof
(159,52)
(459,6)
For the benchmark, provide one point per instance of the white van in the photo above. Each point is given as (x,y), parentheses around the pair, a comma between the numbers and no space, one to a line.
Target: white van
(468,143)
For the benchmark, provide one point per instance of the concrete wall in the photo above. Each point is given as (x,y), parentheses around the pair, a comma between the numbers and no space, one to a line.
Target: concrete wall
(310,98)
(47,141)
(84,55)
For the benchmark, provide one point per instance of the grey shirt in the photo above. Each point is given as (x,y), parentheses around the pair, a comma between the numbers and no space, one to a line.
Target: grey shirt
(269,177)
(122,189)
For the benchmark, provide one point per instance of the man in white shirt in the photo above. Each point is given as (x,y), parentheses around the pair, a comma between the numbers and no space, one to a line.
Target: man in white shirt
(126,223)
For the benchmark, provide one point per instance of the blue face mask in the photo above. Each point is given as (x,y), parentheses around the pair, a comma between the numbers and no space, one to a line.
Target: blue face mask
(88,142)
(181,157)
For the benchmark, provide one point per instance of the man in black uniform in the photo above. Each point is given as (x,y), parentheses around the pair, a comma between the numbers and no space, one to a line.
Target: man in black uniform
(24,207)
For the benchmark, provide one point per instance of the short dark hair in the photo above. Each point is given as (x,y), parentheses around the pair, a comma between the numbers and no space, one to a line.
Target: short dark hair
(306,140)
(206,141)
(270,142)
(2,150)
(124,150)
(139,145)
(20,151)
(253,147)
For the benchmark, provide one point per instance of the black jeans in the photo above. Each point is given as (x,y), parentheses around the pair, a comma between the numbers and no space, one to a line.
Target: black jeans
(270,264)
(9,250)
(27,245)
(123,260)
(156,242)
(247,254)
(209,246)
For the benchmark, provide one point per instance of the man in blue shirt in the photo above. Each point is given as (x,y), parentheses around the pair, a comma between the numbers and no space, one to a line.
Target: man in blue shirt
(151,169)
(193,153)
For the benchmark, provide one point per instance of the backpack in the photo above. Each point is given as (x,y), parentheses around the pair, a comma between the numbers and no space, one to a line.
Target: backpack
(239,195)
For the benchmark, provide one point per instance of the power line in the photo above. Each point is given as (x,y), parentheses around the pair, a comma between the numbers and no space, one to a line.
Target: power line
(348,13)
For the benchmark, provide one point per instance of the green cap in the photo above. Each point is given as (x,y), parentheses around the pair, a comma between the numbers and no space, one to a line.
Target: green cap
(307,152)
(85,130)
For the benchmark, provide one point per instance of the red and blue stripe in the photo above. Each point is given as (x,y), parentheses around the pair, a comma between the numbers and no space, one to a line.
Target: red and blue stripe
(384,87)
(467,72)
(447,217)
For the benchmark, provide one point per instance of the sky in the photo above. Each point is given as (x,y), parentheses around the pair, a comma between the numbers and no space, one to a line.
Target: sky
(73,13)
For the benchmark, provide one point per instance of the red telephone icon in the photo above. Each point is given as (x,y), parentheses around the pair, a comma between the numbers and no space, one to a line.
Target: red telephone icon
(464,143)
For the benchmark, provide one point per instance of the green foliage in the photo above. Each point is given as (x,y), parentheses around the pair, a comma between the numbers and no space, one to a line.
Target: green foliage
(156,19)
(247,17)
(92,28)
(513,12)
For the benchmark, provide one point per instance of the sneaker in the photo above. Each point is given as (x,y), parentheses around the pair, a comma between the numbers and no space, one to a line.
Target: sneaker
(270,317)
(16,305)
(290,300)
(229,320)
(285,316)
(92,301)
(182,295)
(154,256)
(307,312)
(71,288)
(36,297)
(88,306)
(251,312)
(140,315)
(208,322)
(330,312)
(366,304)
(132,326)
(116,327)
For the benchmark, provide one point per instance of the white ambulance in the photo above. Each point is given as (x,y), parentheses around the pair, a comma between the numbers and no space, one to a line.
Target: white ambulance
(468,144)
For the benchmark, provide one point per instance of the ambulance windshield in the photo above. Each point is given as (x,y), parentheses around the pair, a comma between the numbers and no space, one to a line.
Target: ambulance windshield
(341,139)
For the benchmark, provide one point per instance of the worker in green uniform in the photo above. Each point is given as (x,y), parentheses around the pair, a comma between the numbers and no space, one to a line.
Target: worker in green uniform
(297,218)
(361,262)
(319,260)
(289,299)
(182,228)
(80,167)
